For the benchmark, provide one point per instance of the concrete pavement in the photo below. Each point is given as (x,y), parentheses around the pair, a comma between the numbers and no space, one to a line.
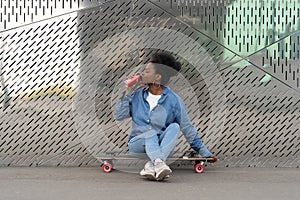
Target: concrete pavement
(92,184)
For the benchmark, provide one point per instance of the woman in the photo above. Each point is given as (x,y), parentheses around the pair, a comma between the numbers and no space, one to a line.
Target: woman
(158,116)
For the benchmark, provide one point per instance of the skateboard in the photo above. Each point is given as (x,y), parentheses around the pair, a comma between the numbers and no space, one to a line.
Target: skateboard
(198,162)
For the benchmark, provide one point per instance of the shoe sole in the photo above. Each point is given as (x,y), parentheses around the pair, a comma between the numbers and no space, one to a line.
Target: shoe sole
(163,174)
(150,177)
(168,176)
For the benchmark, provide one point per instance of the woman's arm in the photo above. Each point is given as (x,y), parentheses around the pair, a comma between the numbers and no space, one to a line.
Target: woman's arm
(189,131)
(123,107)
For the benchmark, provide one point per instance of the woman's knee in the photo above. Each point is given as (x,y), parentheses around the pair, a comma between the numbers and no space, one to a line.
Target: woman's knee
(136,145)
(137,150)
(174,127)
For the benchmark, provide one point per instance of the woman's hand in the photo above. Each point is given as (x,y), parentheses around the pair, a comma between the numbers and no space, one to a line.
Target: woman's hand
(132,87)
(215,159)
(129,90)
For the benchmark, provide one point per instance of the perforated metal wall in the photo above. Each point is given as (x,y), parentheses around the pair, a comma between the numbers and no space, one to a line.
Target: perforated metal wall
(62,66)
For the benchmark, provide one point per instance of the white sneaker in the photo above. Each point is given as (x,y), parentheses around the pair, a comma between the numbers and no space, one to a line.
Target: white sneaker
(162,170)
(148,171)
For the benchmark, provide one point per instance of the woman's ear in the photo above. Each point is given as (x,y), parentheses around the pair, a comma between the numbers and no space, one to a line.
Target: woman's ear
(157,77)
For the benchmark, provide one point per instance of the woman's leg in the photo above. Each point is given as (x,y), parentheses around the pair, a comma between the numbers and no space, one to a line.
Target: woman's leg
(145,145)
(137,148)
(157,148)
(168,140)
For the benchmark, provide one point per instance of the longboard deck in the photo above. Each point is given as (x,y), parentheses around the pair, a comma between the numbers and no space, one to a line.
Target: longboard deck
(125,157)
(108,161)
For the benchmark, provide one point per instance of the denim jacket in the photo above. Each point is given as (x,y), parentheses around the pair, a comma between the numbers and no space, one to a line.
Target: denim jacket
(170,109)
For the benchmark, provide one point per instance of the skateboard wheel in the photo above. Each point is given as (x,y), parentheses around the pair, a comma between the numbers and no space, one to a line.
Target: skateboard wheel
(107,167)
(199,168)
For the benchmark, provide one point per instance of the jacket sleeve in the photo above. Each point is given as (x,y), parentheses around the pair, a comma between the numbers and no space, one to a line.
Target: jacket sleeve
(189,131)
(123,108)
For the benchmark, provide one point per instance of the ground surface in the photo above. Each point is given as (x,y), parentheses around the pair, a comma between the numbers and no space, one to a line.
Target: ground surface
(91,183)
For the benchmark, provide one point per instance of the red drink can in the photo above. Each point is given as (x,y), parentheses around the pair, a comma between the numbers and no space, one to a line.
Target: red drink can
(130,82)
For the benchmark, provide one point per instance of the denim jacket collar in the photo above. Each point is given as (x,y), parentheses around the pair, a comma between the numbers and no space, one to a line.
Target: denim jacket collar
(163,94)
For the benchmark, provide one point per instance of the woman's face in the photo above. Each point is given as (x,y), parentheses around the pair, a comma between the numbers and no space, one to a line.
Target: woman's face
(149,75)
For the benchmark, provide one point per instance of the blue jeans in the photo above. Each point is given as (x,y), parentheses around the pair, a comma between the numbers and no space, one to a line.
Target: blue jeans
(155,145)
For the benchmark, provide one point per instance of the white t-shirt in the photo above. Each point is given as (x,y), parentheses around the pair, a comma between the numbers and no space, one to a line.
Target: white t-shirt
(152,100)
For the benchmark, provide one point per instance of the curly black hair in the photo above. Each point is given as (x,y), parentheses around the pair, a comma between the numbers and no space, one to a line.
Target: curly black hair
(166,65)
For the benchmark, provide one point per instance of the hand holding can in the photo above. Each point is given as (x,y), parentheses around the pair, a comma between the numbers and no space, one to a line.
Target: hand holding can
(132,80)
(131,83)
